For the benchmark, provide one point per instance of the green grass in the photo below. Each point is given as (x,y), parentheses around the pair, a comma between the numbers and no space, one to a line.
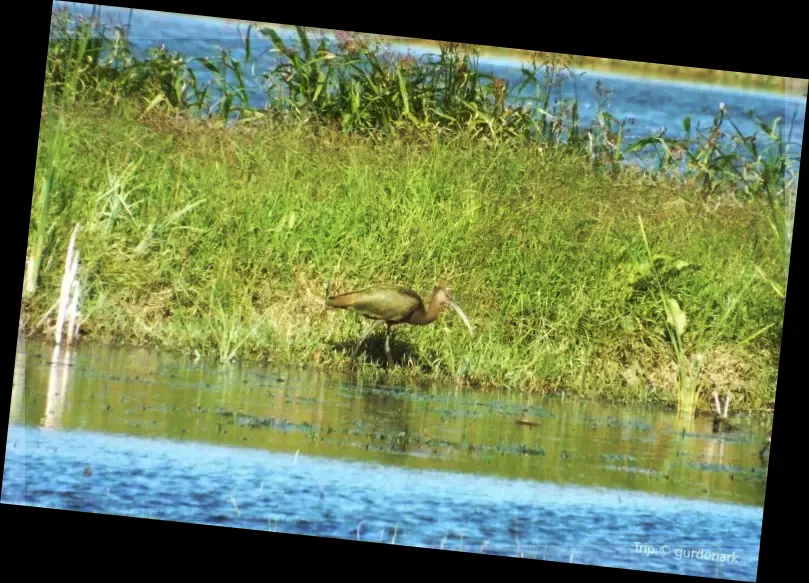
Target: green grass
(220,239)
(760,82)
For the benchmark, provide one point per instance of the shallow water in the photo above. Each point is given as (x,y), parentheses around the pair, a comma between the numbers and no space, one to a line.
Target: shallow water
(137,432)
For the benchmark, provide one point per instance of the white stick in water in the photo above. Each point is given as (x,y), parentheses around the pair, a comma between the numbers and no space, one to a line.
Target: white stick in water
(67,282)
(72,300)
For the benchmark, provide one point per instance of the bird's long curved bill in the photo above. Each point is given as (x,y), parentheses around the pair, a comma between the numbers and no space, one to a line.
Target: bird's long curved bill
(458,309)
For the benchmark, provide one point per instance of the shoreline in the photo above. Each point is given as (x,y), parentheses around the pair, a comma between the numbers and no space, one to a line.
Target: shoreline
(789,86)
(377,377)
(242,273)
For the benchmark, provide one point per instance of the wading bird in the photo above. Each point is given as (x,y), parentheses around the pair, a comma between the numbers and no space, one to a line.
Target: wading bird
(395,305)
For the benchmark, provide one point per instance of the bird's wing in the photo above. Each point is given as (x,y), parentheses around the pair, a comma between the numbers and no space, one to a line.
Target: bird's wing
(389,303)
(410,293)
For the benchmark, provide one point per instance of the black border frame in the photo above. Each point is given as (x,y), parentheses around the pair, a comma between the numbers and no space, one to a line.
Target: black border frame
(713,40)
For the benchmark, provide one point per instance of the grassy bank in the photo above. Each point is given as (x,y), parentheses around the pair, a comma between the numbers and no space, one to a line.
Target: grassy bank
(220,241)
(580,274)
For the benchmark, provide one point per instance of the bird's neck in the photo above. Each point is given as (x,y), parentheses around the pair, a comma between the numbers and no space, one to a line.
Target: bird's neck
(421,316)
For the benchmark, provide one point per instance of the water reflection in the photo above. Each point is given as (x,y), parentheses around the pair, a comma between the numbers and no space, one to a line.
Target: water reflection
(17,408)
(60,368)
(150,394)
(311,453)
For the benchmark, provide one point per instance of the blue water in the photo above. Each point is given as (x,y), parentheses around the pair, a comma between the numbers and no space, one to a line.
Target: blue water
(248,488)
(652,104)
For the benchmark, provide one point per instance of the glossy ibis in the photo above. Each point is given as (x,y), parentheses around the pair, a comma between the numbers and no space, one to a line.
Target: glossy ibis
(395,305)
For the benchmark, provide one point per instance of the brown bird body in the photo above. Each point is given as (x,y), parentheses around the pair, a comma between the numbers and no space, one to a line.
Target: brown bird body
(395,305)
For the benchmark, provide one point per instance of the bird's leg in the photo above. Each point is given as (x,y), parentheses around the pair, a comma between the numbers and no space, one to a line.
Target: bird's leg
(387,344)
(364,336)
